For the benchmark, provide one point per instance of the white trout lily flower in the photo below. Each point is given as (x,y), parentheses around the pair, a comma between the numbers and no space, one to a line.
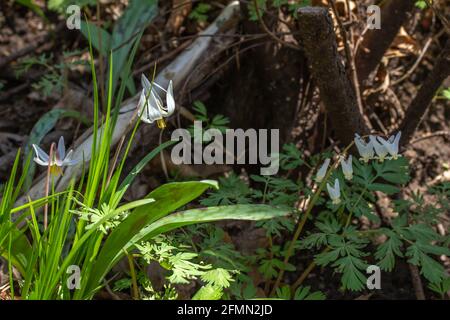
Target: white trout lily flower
(392,145)
(365,149)
(334,192)
(347,167)
(59,157)
(151,106)
(380,149)
(322,171)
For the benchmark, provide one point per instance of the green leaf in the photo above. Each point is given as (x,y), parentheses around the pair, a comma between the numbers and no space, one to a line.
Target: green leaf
(34,7)
(137,15)
(100,38)
(432,270)
(200,108)
(252,212)
(387,251)
(168,198)
(217,277)
(208,292)
(304,293)
(385,188)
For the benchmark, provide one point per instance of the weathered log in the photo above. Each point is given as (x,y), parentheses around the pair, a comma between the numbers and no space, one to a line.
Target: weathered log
(336,90)
(177,71)
(376,41)
(419,105)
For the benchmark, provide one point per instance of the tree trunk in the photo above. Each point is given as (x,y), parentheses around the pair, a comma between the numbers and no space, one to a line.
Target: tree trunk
(336,90)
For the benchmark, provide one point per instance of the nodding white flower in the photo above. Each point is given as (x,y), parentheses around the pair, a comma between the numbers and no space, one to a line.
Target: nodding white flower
(151,106)
(365,149)
(335,192)
(380,149)
(323,170)
(347,167)
(392,144)
(59,157)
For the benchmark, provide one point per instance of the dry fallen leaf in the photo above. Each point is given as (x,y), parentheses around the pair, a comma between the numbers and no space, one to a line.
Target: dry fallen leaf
(180,10)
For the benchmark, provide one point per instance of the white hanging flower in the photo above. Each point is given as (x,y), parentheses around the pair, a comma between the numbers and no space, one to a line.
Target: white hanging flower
(151,106)
(347,167)
(365,149)
(59,158)
(322,171)
(380,149)
(392,145)
(334,192)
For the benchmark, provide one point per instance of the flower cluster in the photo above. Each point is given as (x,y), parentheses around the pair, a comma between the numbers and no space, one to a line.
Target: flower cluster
(376,148)
(379,146)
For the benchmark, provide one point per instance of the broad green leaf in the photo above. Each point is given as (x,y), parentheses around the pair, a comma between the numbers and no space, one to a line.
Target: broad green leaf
(100,38)
(21,249)
(34,7)
(254,212)
(137,15)
(168,198)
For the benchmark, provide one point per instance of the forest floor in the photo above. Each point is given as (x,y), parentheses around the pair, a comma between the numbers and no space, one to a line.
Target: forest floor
(29,89)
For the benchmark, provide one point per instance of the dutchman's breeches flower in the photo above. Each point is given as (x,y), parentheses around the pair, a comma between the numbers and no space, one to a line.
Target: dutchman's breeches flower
(365,149)
(392,145)
(347,167)
(322,171)
(334,192)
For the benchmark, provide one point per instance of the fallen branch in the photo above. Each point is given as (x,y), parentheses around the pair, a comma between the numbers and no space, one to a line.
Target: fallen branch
(177,71)
(336,90)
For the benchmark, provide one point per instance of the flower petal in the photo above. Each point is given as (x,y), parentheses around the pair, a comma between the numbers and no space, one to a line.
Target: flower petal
(323,170)
(145,83)
(40,153)
(170,100)
(61,152)
(41,162)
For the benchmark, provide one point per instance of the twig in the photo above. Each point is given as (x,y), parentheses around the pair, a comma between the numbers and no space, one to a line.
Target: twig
(440,15)
(425,95)
(431,135)
(417,282)
(416,64)
(270,33)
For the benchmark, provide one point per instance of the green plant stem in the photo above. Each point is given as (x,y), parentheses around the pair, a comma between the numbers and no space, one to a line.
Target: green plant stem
(305,273)
(133,277)
(47,184)
(302,222)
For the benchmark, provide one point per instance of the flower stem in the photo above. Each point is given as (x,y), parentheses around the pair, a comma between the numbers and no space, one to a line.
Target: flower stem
(47,184)
(304,218)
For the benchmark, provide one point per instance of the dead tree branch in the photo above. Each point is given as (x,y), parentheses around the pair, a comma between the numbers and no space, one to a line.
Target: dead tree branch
(376,41)
(425,95)
(336,90)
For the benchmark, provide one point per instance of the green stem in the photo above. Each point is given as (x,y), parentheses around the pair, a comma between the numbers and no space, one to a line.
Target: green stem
(133,277)
(302,222)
